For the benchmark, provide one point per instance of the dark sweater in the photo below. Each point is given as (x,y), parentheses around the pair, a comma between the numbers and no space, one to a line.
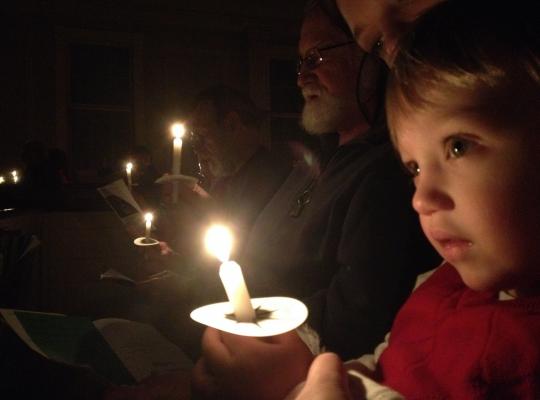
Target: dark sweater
(352,251)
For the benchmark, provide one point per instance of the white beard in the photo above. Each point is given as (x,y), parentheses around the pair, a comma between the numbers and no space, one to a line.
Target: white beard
(326,113)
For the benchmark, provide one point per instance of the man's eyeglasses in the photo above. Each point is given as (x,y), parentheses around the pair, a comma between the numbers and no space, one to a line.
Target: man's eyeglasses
(314,58)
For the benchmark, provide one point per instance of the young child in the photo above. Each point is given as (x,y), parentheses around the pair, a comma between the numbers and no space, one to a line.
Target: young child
(463,106)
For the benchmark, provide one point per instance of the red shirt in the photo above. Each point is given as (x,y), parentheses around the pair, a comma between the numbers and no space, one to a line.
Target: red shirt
(450,342)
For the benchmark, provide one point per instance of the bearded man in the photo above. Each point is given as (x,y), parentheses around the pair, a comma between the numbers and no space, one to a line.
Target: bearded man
(340,233)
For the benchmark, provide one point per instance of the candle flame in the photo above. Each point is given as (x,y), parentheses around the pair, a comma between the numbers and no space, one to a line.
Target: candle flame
(14,173)
(178,130)
(218,242)
(129,167)
(2,180)
(148,217)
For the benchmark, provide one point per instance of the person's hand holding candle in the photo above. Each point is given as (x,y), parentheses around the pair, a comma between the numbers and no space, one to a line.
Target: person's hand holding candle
(243,367)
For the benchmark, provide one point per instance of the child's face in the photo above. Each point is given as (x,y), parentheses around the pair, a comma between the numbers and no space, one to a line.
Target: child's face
(477,194)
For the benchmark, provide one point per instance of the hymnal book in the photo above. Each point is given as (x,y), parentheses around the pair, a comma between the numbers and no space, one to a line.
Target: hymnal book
(120,199)
(121,351)
(115,276)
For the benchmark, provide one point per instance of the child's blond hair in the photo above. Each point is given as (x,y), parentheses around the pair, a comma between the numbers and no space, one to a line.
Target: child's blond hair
(487,53)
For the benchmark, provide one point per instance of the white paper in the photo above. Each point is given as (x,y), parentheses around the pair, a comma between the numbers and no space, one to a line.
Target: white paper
(122,202)
(141,348)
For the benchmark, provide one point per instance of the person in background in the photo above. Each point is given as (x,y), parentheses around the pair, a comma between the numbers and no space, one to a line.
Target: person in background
(232,151)
(339,234)
(238,169)
(462,104)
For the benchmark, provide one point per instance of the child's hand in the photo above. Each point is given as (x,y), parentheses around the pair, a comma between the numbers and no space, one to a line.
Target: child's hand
(326,380)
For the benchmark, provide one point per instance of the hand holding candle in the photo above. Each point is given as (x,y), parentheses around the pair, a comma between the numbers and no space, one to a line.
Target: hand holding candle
(218,241)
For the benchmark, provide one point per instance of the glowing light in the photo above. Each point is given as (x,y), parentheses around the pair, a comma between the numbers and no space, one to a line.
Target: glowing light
(178,130)
(218,242)
(148,218)
(129,167)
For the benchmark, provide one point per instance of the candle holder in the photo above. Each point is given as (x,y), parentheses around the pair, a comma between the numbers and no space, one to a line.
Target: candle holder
(273,316)
(145,241)
(187,180)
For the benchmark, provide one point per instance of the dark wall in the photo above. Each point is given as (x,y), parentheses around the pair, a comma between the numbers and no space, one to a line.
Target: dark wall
(184,47)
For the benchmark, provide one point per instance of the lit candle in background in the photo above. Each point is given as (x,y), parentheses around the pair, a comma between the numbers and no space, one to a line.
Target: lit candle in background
(148,218)
(2,180)
(177,131)
(218,242)
(129,167)
(15,176)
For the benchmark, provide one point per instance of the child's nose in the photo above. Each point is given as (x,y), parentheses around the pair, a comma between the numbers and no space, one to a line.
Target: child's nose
(430,197)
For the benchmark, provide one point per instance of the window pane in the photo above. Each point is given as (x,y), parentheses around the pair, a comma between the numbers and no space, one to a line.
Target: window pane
(100,138)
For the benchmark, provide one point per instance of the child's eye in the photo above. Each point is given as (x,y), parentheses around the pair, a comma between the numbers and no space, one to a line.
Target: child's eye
(412,168)
(457,147)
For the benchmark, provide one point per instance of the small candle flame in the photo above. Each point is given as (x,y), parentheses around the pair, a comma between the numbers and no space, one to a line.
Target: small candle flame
(129,167)
(218,242)
(2,180)
(178,130)
(148,217)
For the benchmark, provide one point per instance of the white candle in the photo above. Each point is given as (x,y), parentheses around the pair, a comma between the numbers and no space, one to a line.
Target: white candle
(148,217)
(129,167)
(177,131)
(236,289)
(219,242)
